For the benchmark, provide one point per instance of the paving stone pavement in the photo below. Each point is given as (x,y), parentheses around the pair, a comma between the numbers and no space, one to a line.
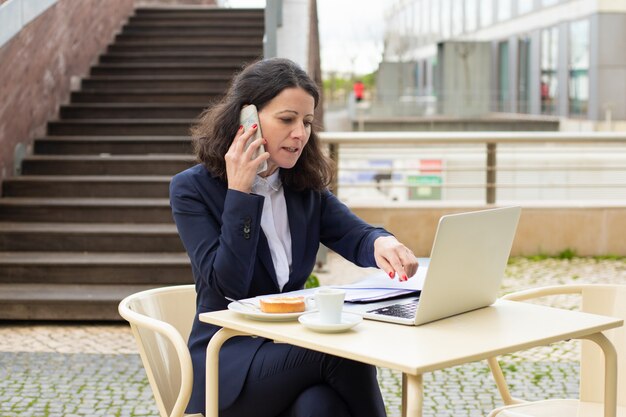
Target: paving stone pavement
(76,370)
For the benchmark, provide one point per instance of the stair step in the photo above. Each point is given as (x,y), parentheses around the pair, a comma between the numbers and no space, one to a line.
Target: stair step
(90,186)
(175,83)
(64,301)
(207,44)
(168,36)
(225,29)
(179,46)
(88,237)
(106,164)
(147,96)
(94,268)
(188,12)
(222,29)
(85,210)
(129,127)
(114,145)
(167,68)
(131,110)
(162,33)
(235,58)
(232,22)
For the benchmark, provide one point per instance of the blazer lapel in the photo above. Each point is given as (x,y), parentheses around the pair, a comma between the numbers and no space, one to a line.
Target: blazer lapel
(263,253)
(297,228)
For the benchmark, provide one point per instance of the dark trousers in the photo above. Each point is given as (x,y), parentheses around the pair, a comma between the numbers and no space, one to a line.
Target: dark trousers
(288,381)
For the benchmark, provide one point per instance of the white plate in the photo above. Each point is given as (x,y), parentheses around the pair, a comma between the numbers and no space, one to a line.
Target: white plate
(312,321)
(259,315)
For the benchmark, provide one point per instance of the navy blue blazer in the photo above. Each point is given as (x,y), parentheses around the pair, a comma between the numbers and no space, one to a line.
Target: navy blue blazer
(230,256)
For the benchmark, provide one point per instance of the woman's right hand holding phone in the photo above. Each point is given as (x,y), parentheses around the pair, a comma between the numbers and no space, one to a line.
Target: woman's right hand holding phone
(241,169)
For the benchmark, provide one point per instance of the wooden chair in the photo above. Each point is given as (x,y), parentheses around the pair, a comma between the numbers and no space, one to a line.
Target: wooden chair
(607,300)
(161,321)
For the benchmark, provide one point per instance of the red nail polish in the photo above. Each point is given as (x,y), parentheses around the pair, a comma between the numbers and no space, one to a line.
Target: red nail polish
(240,127)
(391,274)
(254,126)
(405,278)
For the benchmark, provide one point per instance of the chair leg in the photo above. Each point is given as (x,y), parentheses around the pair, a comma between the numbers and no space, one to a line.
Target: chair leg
(610,372)
(498,376)
(212,368)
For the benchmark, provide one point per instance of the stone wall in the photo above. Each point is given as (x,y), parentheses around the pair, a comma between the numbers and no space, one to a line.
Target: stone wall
(588,231)
(38,64)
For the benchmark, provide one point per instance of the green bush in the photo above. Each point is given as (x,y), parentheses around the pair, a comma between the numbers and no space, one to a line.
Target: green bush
(312,282)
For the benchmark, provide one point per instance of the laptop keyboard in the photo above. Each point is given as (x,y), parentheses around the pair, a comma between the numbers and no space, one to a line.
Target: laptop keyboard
(403,310)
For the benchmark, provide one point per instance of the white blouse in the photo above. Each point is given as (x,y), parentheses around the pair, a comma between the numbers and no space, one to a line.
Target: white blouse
(275,224)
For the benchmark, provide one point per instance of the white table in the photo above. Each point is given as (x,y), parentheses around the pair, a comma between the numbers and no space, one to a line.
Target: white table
(502,328)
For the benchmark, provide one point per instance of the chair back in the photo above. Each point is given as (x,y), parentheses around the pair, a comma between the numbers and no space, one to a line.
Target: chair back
(161,321)
(606,300)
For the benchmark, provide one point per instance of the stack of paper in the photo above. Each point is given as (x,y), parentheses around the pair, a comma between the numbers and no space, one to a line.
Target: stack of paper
(379,286)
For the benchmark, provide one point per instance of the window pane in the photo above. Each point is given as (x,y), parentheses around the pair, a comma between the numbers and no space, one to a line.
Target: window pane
(549,2)
(504,10)
(579,68)
(426,18)
(457,17)
(549,56)
(435,18)
(524,6)
(471,13)
(486,12)
(445,18)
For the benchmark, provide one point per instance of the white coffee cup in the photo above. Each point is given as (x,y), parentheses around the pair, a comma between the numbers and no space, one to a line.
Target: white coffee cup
(329,303)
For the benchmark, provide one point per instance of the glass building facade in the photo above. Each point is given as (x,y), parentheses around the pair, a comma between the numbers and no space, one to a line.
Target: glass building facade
(564,58)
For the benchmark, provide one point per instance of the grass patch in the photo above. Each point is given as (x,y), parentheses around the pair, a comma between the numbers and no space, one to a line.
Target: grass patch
(566,254)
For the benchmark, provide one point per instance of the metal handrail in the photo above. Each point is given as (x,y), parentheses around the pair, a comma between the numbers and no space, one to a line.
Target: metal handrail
(442,138)
(335,140)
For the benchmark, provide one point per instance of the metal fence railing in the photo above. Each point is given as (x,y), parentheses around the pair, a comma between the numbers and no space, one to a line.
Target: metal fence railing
(485,167)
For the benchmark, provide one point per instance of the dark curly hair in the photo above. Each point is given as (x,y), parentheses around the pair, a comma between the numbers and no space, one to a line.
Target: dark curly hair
(257,84)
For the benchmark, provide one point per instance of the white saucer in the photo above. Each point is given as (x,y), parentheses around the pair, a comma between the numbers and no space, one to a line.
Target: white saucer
(259,315)
(312,321)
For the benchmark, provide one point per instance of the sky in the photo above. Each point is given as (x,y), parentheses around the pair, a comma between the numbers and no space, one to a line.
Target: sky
(351,33)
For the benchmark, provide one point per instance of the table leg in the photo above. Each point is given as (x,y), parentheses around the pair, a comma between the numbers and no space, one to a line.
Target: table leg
(610,372)
(412,395)
(403,409)
(212,368)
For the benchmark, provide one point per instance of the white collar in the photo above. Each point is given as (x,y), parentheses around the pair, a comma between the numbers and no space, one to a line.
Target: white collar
(271,182)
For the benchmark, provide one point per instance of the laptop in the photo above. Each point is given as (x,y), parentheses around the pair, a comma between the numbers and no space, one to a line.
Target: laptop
(467,263)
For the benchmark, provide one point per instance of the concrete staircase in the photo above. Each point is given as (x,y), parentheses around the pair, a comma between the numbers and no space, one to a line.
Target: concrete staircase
(88,221)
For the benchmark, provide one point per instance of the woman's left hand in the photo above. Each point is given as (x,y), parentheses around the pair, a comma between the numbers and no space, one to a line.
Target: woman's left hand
(394,258)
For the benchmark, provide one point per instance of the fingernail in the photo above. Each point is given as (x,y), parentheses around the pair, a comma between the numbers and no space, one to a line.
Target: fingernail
(264,141)
(391,274)
(254,126)
(405,278)
(240,127)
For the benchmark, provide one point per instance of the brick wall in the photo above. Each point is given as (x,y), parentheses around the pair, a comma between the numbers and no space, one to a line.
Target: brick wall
(37,64)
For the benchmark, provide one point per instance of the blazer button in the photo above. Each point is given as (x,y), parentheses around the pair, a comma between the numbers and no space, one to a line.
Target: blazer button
(247,220)
(246,229)
(246,236)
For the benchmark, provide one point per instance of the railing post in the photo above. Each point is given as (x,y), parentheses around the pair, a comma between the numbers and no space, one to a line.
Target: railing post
(333,152)
(491,174)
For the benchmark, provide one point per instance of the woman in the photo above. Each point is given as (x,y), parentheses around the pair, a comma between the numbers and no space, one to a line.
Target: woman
(249,234)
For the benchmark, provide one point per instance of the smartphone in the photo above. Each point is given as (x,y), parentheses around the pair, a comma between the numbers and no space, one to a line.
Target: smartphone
(249,116)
